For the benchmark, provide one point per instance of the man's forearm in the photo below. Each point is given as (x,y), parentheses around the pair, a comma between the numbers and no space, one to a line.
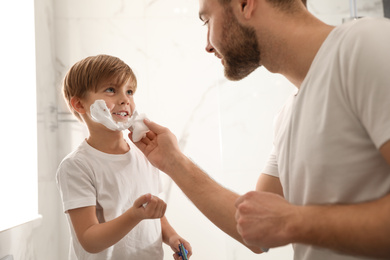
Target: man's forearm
(359,229)
(213,200)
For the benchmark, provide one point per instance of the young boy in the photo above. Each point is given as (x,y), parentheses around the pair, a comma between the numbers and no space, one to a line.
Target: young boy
(106,183)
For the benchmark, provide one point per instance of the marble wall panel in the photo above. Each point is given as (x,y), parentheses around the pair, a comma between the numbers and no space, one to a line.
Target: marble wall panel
(333,11)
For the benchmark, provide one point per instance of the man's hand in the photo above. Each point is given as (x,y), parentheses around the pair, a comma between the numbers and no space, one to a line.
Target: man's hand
(265,219)
(159,146)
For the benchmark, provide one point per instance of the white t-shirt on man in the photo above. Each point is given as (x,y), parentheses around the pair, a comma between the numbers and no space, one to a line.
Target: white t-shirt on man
(111,182)
(328,135)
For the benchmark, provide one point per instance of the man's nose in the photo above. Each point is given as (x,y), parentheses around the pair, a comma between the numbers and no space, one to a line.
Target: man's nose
(209,47)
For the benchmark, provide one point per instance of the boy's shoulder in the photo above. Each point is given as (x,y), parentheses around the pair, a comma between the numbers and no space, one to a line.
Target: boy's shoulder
(77,156)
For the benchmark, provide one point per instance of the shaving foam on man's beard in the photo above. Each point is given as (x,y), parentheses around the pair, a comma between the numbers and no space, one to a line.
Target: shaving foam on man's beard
(101,114)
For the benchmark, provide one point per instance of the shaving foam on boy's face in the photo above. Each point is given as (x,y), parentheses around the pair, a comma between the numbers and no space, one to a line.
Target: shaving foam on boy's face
(101,113)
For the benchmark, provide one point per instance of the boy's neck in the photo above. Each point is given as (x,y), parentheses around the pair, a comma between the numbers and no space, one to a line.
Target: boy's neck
(111,143)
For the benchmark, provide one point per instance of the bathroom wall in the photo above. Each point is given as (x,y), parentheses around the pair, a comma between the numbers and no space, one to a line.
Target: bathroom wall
(225,127)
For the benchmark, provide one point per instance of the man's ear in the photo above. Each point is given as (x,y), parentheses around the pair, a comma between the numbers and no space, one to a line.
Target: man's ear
(77,105)
(247,8)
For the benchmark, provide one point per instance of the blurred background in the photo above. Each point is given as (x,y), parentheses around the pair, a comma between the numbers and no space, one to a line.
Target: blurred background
(225,127)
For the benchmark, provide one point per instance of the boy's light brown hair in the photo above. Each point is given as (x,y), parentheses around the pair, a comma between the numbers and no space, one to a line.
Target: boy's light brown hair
(88,73)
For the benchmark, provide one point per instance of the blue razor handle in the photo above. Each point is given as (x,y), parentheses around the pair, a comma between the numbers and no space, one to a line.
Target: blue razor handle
(183,252)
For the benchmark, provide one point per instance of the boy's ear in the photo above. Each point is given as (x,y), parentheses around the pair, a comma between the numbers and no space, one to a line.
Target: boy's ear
(247,8)
(77,105)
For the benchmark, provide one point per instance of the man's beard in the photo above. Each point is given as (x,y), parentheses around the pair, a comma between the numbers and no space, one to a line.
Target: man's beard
(241,51)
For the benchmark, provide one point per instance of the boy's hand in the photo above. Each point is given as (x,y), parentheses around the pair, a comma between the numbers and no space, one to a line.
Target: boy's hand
(174,242)
(149,207)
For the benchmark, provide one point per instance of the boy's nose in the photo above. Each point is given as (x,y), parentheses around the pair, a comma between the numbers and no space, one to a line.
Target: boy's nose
(124,99)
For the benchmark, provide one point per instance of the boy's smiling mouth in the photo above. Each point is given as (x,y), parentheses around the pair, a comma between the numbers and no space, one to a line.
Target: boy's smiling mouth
(123,113)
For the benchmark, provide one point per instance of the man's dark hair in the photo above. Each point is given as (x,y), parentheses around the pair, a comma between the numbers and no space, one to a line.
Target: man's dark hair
(276,2)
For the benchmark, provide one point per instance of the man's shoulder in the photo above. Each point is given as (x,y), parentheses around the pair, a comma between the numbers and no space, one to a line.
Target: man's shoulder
(367,30)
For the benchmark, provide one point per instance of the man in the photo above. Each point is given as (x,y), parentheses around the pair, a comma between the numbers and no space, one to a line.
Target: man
(326,186)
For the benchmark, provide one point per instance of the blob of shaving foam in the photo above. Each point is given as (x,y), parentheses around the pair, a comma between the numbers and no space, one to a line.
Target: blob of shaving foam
(138,128)
(101,114)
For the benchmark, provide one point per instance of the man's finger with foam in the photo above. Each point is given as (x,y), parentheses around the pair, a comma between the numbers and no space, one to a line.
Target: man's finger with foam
(156,128)
(138,128)
(159,146)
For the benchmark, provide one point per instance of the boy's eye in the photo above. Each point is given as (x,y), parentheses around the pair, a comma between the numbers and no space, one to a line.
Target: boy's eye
(130,92)
(110,90)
